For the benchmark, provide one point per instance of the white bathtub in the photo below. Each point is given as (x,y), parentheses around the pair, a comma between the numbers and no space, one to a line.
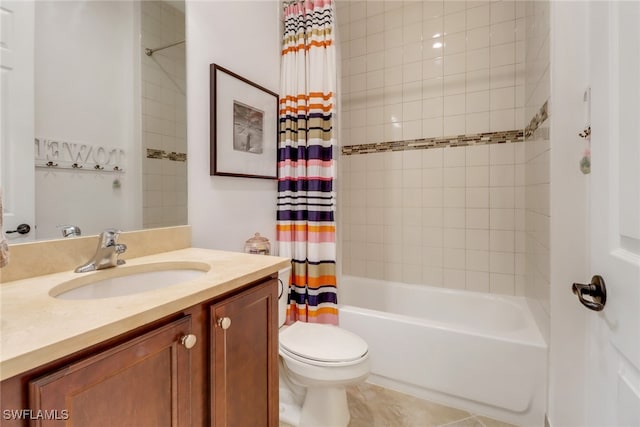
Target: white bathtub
(474,351)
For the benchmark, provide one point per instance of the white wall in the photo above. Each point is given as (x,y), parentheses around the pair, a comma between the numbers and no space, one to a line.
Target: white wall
(244,37)
(569,241)
(85,92)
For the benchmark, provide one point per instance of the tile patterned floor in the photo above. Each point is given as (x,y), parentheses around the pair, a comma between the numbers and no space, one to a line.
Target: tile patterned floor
(374,406)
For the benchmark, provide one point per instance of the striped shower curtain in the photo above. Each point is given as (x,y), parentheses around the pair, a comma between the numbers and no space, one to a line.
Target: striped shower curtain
(306,229)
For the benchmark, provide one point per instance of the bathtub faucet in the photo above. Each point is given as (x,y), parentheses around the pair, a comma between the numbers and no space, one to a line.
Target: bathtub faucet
(107,252)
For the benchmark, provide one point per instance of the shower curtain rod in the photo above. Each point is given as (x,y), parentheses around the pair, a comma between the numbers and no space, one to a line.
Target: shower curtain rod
(149,52)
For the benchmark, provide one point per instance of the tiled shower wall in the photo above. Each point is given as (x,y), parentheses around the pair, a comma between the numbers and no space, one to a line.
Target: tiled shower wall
(449,217)
(537,153)
(163,116)
(413,69)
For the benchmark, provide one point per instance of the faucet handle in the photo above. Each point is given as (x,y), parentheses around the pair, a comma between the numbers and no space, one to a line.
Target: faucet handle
(108,237)
(120,248)
(111,232)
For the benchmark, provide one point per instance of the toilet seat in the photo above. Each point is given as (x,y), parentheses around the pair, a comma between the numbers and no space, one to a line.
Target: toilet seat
(322,345)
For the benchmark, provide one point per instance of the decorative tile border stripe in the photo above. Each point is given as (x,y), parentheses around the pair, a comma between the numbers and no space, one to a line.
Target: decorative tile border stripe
(425,143)
(537,120)
(501,137)
(152,153)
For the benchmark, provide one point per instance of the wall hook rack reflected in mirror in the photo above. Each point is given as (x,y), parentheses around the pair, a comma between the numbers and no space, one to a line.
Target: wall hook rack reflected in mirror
(81,168)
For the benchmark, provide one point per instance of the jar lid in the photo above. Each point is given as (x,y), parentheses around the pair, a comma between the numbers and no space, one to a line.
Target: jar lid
(257,238)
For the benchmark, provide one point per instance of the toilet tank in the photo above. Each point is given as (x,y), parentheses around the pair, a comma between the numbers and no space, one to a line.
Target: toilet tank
(283,292)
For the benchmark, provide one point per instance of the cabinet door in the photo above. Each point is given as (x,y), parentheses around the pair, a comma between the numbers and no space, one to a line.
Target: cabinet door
(244,359)
(143,382)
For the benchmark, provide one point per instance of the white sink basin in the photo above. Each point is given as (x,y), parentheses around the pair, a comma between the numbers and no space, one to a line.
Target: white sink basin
(121,281)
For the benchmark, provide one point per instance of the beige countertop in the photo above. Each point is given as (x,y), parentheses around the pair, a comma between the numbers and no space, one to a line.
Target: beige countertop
(36,328)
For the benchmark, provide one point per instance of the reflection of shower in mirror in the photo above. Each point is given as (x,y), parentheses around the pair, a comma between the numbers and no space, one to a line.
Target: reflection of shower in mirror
(100,105)
(149,52)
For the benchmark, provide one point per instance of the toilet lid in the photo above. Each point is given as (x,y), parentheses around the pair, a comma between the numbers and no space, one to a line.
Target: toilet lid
(324,343)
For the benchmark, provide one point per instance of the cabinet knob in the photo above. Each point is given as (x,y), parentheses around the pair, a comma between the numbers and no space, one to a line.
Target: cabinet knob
(224,323)
(188,341)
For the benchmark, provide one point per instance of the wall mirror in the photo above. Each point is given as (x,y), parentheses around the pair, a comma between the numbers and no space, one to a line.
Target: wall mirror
(93,116)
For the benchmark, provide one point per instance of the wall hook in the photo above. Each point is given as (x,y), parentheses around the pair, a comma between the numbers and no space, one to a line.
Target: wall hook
(51,165)
(586,133)
(76,166)
(98,167)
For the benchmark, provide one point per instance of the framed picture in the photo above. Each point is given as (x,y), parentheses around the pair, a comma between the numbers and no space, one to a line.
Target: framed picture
(244,127)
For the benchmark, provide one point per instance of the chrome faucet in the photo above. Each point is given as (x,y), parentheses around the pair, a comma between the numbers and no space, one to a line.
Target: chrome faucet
(106,255)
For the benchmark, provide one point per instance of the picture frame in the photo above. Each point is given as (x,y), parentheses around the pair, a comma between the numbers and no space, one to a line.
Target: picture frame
(244,126)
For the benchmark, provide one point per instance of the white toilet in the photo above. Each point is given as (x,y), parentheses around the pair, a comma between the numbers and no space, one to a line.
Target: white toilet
(317,362)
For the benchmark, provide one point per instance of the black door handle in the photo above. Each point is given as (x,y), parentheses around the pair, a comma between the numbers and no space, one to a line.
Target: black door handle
(596,290)
(22,229)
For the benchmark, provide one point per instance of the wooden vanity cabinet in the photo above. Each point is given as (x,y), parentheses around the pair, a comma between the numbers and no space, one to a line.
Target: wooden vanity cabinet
(144,381)
(148,377)
(244,359)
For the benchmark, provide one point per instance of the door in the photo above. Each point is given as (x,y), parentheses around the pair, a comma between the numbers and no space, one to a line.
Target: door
(613,335)
(244,358)
(143,382)
(17,176)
